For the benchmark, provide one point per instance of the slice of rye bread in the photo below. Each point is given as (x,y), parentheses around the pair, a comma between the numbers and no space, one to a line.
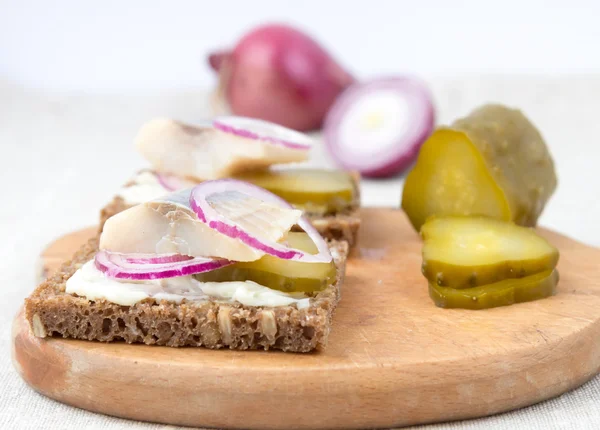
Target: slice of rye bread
(51,311)
(343,225)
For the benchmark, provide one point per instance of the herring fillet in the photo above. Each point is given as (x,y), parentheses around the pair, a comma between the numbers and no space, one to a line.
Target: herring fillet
(169,225)
(253,215)
(204,153)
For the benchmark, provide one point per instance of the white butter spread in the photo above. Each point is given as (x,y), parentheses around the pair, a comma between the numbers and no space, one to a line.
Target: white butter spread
(145,187)
(91,283)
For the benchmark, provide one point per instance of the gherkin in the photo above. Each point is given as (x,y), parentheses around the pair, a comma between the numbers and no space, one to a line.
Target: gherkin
(502,293)
(315,191)
(278,274)
(466,252)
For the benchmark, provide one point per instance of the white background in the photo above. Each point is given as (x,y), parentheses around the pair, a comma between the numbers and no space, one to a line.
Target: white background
(117,45)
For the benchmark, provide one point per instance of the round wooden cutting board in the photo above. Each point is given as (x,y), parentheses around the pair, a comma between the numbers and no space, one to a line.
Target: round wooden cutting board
(393,358)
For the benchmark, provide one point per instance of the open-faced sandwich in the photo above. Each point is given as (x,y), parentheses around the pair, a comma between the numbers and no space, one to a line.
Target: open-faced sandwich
(182,156)
(216,265)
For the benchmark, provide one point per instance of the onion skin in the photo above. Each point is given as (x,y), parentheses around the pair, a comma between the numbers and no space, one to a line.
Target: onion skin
(216,59)
(279,74)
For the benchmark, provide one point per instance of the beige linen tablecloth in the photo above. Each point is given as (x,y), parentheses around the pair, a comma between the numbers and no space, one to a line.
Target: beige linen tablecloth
(63,156)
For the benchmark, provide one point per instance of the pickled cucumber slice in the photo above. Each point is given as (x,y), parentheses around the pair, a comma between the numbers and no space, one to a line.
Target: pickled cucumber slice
(278,274)
(494,162)
(313,190)
(465,252)
(501,293)
(451,178)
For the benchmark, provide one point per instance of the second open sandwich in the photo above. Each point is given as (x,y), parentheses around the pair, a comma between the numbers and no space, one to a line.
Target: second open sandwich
(183,155)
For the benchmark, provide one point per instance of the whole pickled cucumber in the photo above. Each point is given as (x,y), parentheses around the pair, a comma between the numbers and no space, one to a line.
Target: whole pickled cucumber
(503,293)
(465,252)
(493,162)
(279,274)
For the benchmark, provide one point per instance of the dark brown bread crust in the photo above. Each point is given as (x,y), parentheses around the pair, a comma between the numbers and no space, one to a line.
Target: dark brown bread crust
(52,312)
(341,226)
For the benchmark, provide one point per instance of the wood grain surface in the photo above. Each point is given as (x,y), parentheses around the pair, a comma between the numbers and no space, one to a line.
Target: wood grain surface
(393,358)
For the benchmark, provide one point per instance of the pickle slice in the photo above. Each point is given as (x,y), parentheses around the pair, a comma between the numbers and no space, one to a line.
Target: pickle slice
(451,178)
(501,293)
(465,252)
(493,162)
(279,274)
(313,190)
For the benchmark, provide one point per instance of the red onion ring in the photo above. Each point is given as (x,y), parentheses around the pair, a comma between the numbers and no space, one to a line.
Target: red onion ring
(263,131)
(172,182)
(164,182)
(209,216)
(154,258)
(146,267)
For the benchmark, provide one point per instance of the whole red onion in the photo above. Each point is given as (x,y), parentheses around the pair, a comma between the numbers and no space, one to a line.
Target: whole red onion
(279,74)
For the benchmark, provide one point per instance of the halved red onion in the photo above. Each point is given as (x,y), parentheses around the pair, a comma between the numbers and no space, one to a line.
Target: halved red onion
(145,267)
(257,129)
(207,214)
(378,127)
(173,183)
